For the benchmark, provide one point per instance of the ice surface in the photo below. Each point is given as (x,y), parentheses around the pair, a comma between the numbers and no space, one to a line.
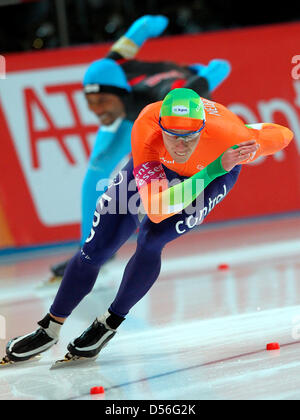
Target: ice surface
(199,334)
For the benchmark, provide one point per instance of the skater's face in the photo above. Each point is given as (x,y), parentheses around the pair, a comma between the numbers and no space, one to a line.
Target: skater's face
(106,106)
(180,148)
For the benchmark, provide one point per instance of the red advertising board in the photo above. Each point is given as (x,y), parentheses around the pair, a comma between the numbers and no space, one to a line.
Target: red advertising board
(47,131)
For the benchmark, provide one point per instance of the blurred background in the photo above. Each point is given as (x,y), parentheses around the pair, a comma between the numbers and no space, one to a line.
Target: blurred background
(48,132)
(38,24)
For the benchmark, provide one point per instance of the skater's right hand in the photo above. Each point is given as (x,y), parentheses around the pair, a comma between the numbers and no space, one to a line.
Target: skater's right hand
(239,153)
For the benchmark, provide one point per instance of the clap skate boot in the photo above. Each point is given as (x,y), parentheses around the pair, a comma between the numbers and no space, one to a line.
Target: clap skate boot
(30,346)
(88,345)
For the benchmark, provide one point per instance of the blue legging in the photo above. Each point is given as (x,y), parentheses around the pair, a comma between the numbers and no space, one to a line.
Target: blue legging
(112,227)
(110,147)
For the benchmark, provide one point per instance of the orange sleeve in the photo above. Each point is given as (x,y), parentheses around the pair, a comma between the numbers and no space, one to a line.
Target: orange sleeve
(271,138)
(226,129)
(152,199)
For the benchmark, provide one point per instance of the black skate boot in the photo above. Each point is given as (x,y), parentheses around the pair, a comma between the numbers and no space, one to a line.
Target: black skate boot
(58,270)
(27,347)
(88,345)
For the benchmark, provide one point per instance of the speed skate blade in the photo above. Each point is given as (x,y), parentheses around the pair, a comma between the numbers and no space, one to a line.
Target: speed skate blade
(72,361)
(6,362)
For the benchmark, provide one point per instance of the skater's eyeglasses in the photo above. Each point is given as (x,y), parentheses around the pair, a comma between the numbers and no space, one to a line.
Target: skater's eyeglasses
(187,136)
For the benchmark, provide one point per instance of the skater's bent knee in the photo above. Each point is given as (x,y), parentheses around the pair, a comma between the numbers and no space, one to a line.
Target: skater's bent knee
(150,239)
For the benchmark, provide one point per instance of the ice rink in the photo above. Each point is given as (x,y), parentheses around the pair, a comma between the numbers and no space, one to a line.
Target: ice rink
(200,334)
